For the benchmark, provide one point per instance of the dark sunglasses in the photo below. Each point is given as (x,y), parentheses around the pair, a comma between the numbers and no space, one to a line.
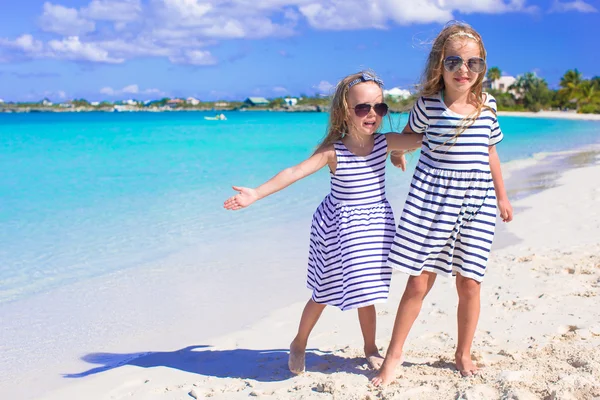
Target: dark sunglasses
(475,64)
(361,110)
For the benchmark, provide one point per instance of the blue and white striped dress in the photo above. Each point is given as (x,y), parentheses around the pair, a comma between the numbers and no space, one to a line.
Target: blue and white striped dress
(351,233)
(447,225)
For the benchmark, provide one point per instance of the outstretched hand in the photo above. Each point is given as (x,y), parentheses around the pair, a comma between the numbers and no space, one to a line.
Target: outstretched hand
(398,159)
(244,198)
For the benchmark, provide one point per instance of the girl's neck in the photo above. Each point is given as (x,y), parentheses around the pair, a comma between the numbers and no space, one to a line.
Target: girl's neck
(359,145)
(450,97)
(359,140)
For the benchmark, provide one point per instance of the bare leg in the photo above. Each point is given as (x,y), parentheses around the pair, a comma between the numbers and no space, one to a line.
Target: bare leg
(310,316)
(417,288)
(469,301)
(367,316)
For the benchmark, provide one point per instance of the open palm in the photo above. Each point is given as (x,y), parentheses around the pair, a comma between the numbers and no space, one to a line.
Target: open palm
(244,198)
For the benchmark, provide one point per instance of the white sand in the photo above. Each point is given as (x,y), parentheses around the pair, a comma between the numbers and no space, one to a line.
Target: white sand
(538,337)
(551,114)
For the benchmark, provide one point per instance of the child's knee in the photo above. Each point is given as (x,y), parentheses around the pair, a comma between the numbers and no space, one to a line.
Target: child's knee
(417,286)
(468,288)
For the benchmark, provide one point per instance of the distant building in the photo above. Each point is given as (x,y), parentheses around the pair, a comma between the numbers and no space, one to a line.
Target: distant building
(397,93)
(124,108)
(46,103)
(68,104)
(95,103)
(221,104)
(1,101)
(291,101)
(256,101)
(501,84)
(174,102)
(192,101)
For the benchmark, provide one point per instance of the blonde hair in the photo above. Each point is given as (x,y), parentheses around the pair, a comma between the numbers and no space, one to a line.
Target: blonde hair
(432,81)
(339,113)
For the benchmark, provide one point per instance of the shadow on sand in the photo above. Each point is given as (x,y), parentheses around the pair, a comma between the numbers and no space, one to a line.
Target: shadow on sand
(260,365)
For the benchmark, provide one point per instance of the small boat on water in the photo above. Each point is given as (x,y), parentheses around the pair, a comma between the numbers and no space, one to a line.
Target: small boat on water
(220,117)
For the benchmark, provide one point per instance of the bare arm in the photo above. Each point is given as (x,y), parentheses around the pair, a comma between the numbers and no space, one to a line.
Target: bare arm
(506,211)
(283,179)
(401,144)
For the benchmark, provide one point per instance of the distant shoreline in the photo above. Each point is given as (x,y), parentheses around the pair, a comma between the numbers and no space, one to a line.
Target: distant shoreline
(570,115)
(133,109)
(551,114)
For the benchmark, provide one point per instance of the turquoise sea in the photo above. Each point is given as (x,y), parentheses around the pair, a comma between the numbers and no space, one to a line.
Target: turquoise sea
(83,195)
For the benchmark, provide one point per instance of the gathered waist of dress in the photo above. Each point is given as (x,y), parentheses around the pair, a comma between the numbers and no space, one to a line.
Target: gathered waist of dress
(477,172)
(358,203)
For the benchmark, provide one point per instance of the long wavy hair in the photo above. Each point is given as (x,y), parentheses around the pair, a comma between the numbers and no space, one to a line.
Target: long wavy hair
(339,113)
(432,81)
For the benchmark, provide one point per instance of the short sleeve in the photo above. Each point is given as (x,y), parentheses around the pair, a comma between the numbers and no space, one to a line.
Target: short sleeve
(496,134)
(417,119)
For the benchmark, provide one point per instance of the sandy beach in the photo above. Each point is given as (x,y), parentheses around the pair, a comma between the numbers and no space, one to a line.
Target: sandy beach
(538,337)
(551,114)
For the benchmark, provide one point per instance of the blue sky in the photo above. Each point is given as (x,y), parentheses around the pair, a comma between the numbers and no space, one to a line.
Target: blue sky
(232,49)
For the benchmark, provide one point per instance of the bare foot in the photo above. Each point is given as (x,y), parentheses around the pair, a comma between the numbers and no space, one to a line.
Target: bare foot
(296,360)
(387,372)
(374,360)
(465,365)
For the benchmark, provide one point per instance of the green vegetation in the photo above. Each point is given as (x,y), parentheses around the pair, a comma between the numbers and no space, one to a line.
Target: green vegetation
(494,73)
(531,93)
(400,105)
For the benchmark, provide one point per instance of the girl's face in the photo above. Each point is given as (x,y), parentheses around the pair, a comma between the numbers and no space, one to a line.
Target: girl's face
(360,95)
(463,79)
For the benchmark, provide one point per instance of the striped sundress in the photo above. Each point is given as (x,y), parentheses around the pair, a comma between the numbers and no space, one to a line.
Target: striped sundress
(447,225)
(351,233)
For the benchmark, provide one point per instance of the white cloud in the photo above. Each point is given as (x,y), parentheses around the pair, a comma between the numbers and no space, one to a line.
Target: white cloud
(154,91)
(234,19)
(72,48)
(194,57)
(60,94)
(130,90)
(113,10)
(185,12)
(379,14)
(577,5)
(324,87)
(280,89)
(139,47)
(421,11)
(64,21)
(343,15)
(108,91)
(487,6)
(24,43)
(183,30)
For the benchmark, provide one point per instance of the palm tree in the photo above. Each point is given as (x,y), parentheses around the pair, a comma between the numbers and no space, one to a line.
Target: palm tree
(525,82)
(587,93)
(569,83)
(494,74)
(533,90)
